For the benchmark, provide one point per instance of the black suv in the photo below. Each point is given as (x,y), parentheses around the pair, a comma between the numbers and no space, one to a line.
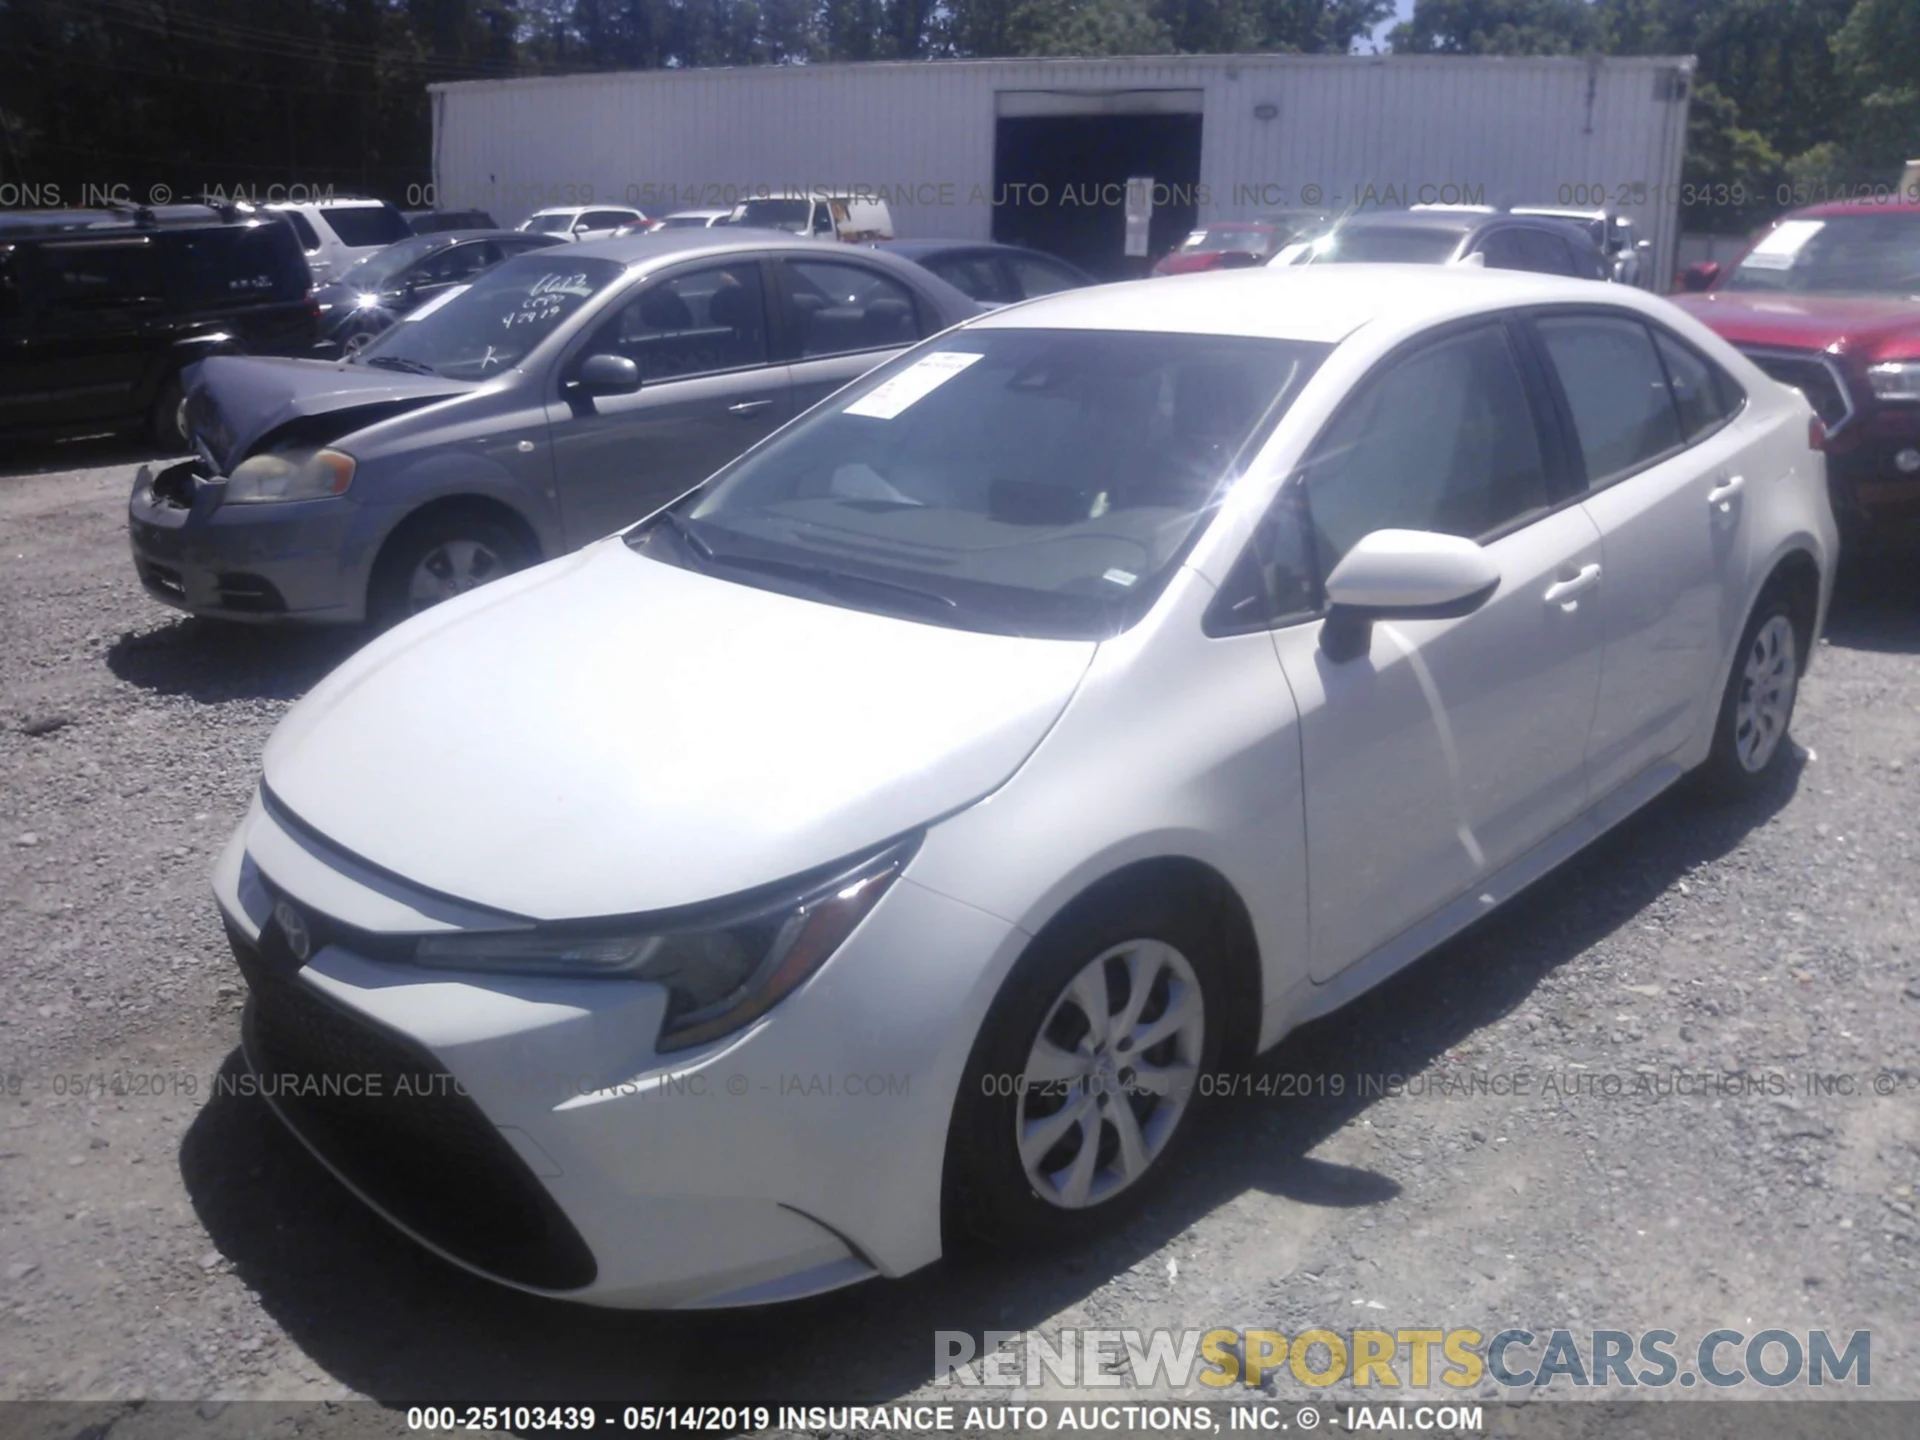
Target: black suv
(100,311)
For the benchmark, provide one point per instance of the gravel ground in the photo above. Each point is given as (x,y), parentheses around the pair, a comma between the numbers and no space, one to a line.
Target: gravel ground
(165,1245)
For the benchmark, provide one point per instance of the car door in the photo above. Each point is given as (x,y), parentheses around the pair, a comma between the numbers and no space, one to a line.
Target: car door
(102,315)
(1664,486)
(1452,745)
(708,390)
(841,318)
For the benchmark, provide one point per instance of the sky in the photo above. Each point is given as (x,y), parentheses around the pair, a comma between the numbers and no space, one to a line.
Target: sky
(1402,10)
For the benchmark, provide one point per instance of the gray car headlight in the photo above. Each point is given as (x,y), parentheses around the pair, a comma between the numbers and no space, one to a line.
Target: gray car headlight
(722,968)
(279,475)
(1895,380)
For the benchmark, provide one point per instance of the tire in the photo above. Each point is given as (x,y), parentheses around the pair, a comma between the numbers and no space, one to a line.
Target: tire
(438,555)
(1751,733)
(992,1197)
(166,422)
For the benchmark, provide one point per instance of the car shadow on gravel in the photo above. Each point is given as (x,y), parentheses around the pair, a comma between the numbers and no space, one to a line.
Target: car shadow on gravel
(1876,603)
(212,661)
(44,457)
(386,1318)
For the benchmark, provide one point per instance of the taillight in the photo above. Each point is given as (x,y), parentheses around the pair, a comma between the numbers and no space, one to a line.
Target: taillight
(1816,433)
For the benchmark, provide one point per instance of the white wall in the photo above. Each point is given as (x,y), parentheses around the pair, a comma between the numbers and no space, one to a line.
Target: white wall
(1385,129)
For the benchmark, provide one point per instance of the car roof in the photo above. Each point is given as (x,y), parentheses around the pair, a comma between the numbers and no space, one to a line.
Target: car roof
(924,249)
(26,224)
(716,240)
(1319,303)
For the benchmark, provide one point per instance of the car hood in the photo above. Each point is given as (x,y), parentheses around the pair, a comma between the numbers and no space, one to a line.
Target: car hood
(234,402)
(1803,322)
(609,734)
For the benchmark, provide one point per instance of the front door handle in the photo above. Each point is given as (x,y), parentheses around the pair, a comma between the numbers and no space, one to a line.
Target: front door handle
(1722,496)
(748,407)
(1562,592)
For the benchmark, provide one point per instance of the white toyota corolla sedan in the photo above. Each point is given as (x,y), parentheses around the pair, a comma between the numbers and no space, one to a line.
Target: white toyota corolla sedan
(895,839)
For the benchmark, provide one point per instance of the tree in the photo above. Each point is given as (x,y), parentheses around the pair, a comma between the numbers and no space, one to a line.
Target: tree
(1879,49)
(1498,27)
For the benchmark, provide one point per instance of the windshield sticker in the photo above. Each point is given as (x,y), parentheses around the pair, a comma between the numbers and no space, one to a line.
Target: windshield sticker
(435,303)
(1783,244)
(1122,578)
(912,384)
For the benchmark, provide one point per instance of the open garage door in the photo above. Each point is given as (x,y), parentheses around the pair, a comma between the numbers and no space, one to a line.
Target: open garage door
(1062,160)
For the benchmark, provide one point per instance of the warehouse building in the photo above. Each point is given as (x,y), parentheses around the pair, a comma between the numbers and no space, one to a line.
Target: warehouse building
(1042,151)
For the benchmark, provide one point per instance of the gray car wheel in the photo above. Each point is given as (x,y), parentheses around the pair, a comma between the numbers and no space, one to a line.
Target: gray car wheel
(438,556)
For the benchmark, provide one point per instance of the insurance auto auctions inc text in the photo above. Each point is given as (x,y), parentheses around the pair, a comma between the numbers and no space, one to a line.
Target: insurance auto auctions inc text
(1458,1359)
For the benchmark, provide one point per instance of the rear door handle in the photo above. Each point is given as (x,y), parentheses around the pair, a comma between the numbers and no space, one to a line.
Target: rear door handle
(1722,496)
(748,407)
(1562,592)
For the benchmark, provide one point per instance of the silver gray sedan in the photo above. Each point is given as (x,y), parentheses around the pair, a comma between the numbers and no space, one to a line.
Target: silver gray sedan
(561,396)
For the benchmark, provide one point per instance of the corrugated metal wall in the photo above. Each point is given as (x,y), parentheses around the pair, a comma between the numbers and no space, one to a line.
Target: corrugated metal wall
(1390,129)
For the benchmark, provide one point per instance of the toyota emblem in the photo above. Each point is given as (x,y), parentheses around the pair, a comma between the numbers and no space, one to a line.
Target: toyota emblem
(299,938)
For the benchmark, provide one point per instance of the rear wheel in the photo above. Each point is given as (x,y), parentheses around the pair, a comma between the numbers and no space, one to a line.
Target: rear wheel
(436,556)
(1086,1074)
(1756,712)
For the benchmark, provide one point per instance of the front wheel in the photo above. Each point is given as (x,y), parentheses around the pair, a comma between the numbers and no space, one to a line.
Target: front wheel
(438,556)
(167,421)
(1086,1074)
(1756,710)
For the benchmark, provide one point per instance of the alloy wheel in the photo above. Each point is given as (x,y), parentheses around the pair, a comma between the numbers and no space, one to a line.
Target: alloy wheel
(1110,1073)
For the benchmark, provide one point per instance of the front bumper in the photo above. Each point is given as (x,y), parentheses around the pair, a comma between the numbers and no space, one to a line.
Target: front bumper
(554,1151)
(259,563)
(1871,492)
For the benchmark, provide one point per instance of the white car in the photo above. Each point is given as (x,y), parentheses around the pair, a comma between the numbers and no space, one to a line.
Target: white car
(892,841)
(339,232)
(582,222)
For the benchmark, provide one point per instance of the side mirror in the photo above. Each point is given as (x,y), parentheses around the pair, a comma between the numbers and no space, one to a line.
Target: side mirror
(608,375)
(1700,276)
(1402,574)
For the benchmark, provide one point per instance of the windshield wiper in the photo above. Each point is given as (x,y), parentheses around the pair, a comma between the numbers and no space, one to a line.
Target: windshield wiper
(400,362)
(825,576)
(683,530)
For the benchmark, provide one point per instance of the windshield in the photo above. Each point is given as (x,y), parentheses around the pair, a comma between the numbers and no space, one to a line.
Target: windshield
(559,223)
(791,215)
(1383,245)
(375,271)
(1872,254)
(1035,482)
(497,321)
(1249,239)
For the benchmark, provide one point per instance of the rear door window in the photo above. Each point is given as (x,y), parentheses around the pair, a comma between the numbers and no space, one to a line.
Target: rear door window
(836,307)
(975,276)
(1703,393)
(1033,276)
(1616,390)
(303,227)
(85,276)
(361,225)
(1548,254)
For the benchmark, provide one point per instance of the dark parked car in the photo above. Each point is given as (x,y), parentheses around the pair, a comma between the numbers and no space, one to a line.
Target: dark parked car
(1492,238)
(564,394)
(991,274)
(101,311)
(1828,301)
(435,222)
(378,290)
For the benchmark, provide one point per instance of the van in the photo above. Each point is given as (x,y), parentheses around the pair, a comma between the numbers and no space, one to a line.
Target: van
(101,311)
(828,216)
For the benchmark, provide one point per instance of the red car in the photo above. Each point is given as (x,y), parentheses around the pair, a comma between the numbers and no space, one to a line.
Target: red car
(1828,300)
(1232,244)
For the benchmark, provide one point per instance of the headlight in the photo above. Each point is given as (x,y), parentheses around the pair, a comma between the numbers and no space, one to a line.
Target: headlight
(1895,380)
(289,475)
(721,969)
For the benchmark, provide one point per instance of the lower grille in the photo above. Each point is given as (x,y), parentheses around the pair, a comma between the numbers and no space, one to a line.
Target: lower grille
(401,1130)
(1814,376)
